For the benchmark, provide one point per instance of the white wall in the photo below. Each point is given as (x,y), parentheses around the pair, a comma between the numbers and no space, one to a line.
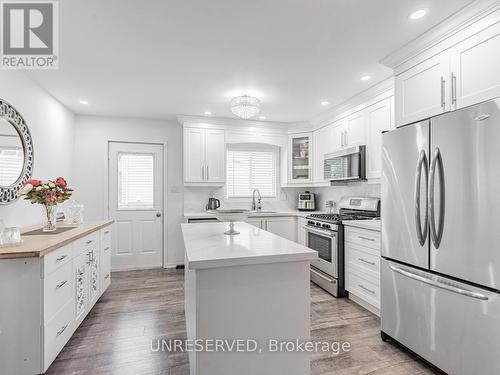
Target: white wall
(92,134)
(335,193)
(51,126)
(196,198)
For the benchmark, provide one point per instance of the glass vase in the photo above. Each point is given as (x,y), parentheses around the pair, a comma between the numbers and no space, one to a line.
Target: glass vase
(50,215)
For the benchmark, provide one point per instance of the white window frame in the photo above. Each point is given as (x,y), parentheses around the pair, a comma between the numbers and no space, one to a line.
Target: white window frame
(119,182)
(256,147)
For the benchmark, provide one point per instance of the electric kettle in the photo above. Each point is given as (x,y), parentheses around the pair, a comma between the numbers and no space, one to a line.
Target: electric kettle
(213,204)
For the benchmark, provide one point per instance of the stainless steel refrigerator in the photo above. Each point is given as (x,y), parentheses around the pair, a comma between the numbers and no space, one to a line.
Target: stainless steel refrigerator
(440,272)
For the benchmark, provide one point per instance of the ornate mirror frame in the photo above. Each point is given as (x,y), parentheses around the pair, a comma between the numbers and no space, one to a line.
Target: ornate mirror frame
(9,194)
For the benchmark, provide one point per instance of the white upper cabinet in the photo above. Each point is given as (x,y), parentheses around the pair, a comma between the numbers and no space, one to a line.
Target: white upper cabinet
(300,158)
(476,68)
(465,72)
(215,155)
(379,119)
(338,135)
(323,139)
(204,155)
(355,129)
(421,91)
(194,154)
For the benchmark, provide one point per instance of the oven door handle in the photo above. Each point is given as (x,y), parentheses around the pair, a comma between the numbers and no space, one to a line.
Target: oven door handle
(331,234)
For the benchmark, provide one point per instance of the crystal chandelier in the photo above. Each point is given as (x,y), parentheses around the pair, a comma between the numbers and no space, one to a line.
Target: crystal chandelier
(245,106)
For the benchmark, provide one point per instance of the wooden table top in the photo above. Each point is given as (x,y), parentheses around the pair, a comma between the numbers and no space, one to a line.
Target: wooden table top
(40,245)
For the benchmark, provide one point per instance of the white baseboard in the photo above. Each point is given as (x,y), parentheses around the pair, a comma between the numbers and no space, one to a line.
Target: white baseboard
(364,304)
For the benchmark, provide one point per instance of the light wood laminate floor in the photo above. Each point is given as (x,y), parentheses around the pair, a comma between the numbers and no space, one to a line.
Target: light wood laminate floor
(141,306)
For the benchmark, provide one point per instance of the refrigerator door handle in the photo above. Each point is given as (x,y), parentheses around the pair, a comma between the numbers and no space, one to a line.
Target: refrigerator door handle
(436,234)
(437,284)
(421,234)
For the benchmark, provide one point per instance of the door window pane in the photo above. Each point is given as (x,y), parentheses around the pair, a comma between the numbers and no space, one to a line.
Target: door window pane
(135,181)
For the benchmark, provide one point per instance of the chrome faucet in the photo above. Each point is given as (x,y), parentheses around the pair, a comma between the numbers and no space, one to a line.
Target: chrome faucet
(256,206)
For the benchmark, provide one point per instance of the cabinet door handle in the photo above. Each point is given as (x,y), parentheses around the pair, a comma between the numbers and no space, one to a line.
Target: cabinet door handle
(202,172)
(346,141)
(107,232)
(59,333)
(443,100)
(106,248)
(62,257)
(366,261)
(207,173)
(61,284)
(367,238)
(365,288)
(106,277)
(453,89)
(88,242)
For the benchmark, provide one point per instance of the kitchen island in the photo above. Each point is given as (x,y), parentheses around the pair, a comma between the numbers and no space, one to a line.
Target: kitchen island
(253,286)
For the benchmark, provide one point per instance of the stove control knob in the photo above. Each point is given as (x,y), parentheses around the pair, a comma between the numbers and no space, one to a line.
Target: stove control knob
(310,222)
(326,226)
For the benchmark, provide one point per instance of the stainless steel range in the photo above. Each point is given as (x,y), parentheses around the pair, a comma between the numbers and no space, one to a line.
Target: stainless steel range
(325,234)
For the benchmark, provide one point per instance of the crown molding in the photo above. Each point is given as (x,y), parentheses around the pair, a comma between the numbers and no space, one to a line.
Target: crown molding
(452,25)
(239,124)
(372,95)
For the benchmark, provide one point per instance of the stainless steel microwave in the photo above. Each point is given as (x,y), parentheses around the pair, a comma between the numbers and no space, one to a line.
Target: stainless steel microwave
(346,165)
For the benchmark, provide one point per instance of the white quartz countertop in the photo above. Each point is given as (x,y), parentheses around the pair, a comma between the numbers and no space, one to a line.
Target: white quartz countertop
(264,213)
(208,247)
(365,224)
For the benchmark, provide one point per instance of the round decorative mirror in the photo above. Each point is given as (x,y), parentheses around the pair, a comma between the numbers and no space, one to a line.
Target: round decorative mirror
(16,153)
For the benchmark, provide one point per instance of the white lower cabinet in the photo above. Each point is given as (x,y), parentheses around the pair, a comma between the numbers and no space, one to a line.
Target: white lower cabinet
(301,233)
(51,295)
(362,265)
(285,227)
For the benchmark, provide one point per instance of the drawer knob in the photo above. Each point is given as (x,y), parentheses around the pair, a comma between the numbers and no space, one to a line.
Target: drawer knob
(62,257)
(107,276)
(61,284)
(365,288)
(366,261)
(107,248)
(367,238)
(107,232)
(59,333)
(88,242)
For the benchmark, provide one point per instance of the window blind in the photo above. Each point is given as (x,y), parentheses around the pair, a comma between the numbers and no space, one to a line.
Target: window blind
(135,181)
(249,169)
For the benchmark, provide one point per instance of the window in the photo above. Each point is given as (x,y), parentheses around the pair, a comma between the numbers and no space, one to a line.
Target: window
(251,167)
(135,181)
(11,165)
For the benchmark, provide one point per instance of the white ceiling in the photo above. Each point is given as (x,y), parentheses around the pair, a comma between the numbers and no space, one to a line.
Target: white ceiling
(158,59)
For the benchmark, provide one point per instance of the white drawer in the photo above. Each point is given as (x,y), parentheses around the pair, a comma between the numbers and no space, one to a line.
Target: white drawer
(88,242)
(363,237)
(57,258)
(105,243)
(58,290)
(364,288)
(106,235)
(57,333)
(364,259)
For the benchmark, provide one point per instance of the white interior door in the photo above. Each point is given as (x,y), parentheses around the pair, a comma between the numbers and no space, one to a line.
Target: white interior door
(136,204)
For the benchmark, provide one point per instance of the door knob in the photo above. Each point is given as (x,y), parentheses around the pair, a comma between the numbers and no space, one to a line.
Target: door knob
(158,214)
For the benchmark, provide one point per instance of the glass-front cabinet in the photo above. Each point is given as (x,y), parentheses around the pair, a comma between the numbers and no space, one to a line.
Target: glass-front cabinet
(300,158)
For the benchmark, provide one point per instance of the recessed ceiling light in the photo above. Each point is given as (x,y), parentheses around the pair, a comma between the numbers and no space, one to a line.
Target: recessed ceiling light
(366,78)
(262,117)
(325,102)
(84,101)
(208,113)
(416,15)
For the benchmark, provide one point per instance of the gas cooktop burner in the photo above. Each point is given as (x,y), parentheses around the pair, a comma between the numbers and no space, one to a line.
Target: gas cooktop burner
(337,218)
